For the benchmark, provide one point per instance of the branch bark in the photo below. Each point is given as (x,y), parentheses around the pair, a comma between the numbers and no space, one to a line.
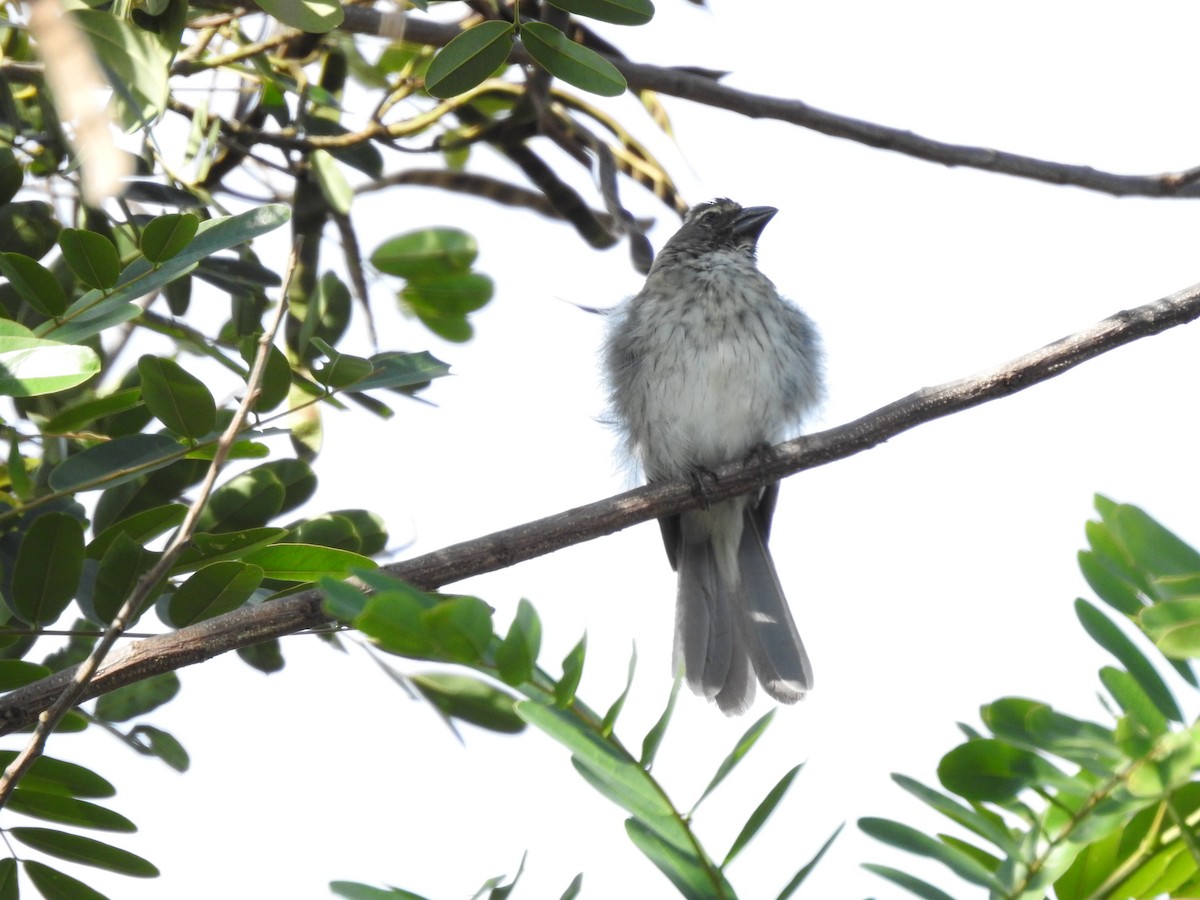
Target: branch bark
(699,88)
(245,627)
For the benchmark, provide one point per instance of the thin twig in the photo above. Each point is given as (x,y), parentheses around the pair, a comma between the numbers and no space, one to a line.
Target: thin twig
(287,615)
(699,88)
(81,676)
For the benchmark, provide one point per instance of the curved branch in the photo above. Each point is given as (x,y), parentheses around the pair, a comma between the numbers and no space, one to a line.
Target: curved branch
(245,627)
(700,88)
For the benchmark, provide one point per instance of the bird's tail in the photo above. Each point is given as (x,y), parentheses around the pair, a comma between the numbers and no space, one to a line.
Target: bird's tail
(732,620)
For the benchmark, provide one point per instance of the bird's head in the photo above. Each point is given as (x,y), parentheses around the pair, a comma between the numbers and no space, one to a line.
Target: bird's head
(721,225)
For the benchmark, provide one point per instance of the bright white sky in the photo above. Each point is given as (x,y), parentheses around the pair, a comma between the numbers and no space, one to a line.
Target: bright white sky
(927,576)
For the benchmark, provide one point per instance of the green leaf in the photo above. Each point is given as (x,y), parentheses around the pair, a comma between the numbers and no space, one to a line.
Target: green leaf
(135,62)
(460,628)
(55,885)
(913,841)
(1105,632)
(91,256)
(213,590)
(12,176)
(1134,701)
(760,815)
(58,777)
(743,746)
(79,415)
(1174,626)
(610,717)
(343,601)
(392,619)
(277,377)
(15,673)
(48,567)
(97,310)
(34,283)
(619,12)
(141,528)
(163,745)
(574,889)
(987,825)
(208,548)
(31,366)
(313,16)
(305,562)
(167,235)
(988,770)
(28,227)
(265,656)
(470,700)
(333,184)
(137,699)
(451,296)
(403,370)
(517,654)
(911,884)
(342,370)
(117,575)
(87,851)
(805,870)
(352,890)
(469,59)
(297,477)
(573,63)
(1109,583)
(655,735)
(114,462)
(177,398)
(684,870)
(428,253)
(67,811)
(248,500)
(564,689)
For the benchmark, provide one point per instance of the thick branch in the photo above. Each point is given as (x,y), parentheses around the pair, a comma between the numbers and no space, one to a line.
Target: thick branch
(245,627)
(701,88)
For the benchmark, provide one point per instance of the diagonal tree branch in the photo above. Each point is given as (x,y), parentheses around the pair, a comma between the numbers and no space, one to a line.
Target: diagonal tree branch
(701,88)
(245,627)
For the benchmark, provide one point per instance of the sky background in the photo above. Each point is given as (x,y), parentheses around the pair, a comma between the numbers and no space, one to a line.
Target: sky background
(927,576)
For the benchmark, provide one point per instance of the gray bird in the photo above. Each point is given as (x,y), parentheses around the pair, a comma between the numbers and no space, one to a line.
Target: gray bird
(708,365)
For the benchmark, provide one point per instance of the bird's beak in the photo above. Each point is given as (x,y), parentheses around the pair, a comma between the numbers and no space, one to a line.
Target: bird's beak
(751,221)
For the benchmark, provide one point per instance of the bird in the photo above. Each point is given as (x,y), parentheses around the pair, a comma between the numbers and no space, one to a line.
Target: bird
(707,364)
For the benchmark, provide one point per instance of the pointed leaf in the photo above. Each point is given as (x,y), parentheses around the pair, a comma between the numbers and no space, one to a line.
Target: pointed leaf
(653,739)
(469,59)
(163,745)
(333,184)
(55,885)
(619,12)
(564,690)
(470,700)
(913,885)
(572,62)
(48,567)
(305,562)
(517,654)
(748,740)
(908,838)
(691,877)
(760,815)
(87,851)
(56,776)
(403,370)
(211,591)
(114,462)
(610,717)
(67,811)
(1105,632)
(800,877)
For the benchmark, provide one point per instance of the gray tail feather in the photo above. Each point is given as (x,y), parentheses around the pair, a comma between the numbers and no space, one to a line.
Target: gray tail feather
(727,633)
(776,650)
